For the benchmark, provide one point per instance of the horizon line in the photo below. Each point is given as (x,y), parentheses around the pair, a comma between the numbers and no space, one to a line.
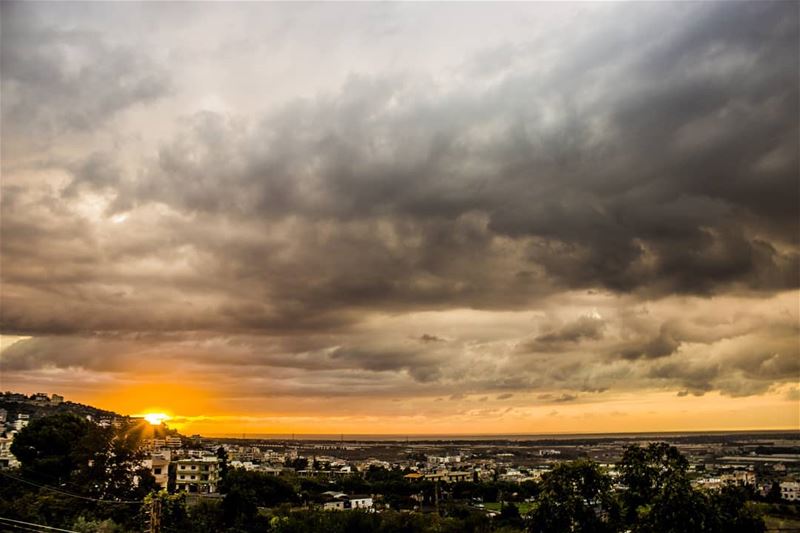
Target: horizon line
(423,436)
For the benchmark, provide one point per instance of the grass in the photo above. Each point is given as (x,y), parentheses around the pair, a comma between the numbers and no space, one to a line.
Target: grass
(782,524)
(524,507)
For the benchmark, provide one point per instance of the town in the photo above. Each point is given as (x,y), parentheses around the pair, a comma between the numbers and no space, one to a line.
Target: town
(426,476)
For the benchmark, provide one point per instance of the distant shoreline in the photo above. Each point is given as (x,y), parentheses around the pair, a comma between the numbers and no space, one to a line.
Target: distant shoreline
(520,437)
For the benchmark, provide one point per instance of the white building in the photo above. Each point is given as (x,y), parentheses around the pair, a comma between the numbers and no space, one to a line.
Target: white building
(7,459)
(342,502)
(159,467)
(790,490)
(22,421)
(334,505)
(360,501)
(197,474)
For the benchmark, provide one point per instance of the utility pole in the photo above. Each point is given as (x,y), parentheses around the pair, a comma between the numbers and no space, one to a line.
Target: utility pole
(436,497)
(155,515)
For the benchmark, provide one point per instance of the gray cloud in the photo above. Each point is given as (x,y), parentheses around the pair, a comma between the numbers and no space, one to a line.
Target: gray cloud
(586,327)
(272,236)
(425,337)
(58,80)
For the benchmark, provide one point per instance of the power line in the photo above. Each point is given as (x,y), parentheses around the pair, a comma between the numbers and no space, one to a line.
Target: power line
(41,526)
(55,480)
(15,527)
(65,493)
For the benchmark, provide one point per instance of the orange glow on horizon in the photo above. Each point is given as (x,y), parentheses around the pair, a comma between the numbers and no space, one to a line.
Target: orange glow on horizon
(626,413)
(154,399)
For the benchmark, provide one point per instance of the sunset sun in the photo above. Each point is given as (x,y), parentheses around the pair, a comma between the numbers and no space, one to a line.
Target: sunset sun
(156,419)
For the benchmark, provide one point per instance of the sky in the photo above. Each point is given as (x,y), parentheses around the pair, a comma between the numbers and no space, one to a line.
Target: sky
(404,218)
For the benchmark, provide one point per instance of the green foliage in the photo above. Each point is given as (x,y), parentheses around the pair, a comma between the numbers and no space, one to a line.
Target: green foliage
(365,522)
(171,509)
(509,517)
(206,517)
(222,455)
(660,498)
(574,496)
(79,457)
(645,472)
(734,512)
(83,525)
(52,448)
(64,455)
(300,463)
(246,491)
(676,508)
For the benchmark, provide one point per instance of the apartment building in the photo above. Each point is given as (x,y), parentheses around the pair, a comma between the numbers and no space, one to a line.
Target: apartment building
(197,474)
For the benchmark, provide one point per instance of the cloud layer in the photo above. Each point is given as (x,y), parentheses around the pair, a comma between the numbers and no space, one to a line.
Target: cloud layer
(588,200)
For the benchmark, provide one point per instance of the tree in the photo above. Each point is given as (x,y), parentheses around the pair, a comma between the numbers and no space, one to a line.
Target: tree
(170,510)
(509,517)
(645,471)
(83,469)
(222,455)
(51,448)
(732,512)
(676,508)
(82,525)
(112,466)
(659,497)
(246,491)
(206,517)
(574,496)
(774,494)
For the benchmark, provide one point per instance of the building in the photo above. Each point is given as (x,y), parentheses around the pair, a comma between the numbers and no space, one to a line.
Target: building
(197,474)
(338,501)
(159,467)
(155,444)
(333,505)
(790,490)
(22,421)
(360,501)
(173,441)
(7,459)
(40,398)
(449,476)
(56,399)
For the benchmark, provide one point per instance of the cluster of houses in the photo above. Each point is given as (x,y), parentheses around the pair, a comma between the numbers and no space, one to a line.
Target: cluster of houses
(192,465)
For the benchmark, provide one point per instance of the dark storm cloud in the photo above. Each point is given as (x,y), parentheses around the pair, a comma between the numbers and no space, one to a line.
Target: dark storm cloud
(661,345)
(420,367)
(660,183)
(639,162)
